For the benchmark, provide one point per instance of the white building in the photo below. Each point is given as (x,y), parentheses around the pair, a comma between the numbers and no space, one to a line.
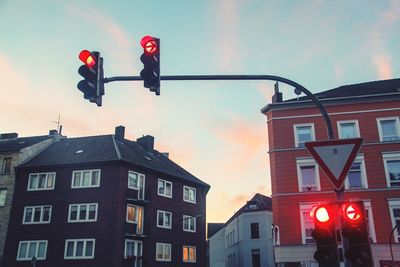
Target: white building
(246,238)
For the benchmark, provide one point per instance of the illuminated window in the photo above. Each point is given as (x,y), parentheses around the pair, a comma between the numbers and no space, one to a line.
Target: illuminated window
(189,254)
(134,214)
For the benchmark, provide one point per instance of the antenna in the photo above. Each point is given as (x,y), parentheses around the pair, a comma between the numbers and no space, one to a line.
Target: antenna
(58,124)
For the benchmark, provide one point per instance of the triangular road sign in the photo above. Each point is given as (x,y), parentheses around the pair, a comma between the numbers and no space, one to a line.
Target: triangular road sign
(335,157)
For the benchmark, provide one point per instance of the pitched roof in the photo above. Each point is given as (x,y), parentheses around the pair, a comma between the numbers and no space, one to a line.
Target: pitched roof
(16,144)
(258,203)
(105,148)
(213,228)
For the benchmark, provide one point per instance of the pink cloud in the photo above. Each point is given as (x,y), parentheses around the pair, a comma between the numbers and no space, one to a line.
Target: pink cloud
(382,63)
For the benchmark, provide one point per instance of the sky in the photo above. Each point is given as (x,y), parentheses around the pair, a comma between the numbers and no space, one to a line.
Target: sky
(213,129)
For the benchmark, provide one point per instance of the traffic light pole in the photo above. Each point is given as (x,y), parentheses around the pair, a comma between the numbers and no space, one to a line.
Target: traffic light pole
(238,77)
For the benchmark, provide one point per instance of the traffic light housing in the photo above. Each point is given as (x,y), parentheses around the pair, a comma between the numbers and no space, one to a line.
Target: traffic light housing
(324,234)
(355,234)
(92,85)
(151,63)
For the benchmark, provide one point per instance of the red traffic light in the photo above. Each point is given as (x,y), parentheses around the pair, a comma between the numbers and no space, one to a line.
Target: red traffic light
(149,45)
(87,58)
(352,212)
(321,213)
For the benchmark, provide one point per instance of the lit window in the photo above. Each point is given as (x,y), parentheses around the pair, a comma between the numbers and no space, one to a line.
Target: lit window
(134,214)
(308,175)
(189,254)
(392,169)
(82,212)
(37,214)
(303,133)
(389,129)
(189,194)
(348,129)
(41,181)
(164,219)
(164,188)
(79,249)
(86,178)
(29,249)
(163,252)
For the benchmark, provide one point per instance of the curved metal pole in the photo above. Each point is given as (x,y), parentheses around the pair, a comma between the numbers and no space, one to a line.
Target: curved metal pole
(239,77)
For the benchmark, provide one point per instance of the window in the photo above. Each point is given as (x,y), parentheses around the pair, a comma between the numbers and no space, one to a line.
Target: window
(136,182)
(189,223)
(82,212)
(357,178)
(370,221)
(134,214)
(392,169)
(394,207)
(37,214)
(3,194)
(389,129)
(6,166)
(254,231)
(164,188)
(255,258)
(163,252)
(275,234)
(29,249)
(87,178)
(308,175)
(189,254)
(164,219)
(133,248)
(79,249)
(307,224)
(41,181)
(189,194)
(348,129)
(303,133)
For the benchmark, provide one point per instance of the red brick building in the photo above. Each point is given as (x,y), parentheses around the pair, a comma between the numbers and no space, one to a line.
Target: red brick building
(369,110)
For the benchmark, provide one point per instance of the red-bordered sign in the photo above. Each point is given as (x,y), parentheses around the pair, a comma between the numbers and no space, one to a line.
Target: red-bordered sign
(335,157)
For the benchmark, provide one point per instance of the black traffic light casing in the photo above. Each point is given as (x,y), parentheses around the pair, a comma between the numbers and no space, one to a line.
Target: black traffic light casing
(92,85)
(355,234)
(151,68)
(325,236)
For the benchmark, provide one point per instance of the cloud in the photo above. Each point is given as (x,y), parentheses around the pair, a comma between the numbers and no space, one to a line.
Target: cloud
(382,63)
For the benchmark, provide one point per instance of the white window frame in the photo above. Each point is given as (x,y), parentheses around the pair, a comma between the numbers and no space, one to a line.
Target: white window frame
(139,217)
(81,179)
(188,248)
(75,241)
(397,126)
(394,204)
(371,226)
(79,206)
(388,157)
(3,196)
(356,126)
(296,138)
(29,243)
(364,180)
(191,221)
(305,208)
(165,257)
(307,162)
(190,189)
(136,253)
(164,213)
(41,221)
(165,183)
(140,183)
(37,183)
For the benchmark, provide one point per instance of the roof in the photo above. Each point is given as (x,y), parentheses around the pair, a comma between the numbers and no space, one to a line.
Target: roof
(258,203)
(105,148)
(16,144)
(360,90)
(213,228)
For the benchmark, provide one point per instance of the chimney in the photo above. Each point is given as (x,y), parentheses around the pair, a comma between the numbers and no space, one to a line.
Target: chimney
(7,136)
(147,142)
(277,97)
(53,132)
(120,132)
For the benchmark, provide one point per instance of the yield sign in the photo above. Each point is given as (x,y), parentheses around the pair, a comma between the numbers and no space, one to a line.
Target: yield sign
(335,157)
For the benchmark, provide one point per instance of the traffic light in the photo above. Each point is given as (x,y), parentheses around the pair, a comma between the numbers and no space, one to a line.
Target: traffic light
(92,71)
(355,234)
(324,234)
(151,63)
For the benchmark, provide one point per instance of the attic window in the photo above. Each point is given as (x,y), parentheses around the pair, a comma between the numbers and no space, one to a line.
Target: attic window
(79,152)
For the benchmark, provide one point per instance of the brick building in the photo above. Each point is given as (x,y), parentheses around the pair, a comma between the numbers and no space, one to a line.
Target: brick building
(106,201)
(15,150)
(367,110)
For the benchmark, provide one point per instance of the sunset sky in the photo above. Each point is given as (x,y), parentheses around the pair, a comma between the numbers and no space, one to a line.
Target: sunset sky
(213,129)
